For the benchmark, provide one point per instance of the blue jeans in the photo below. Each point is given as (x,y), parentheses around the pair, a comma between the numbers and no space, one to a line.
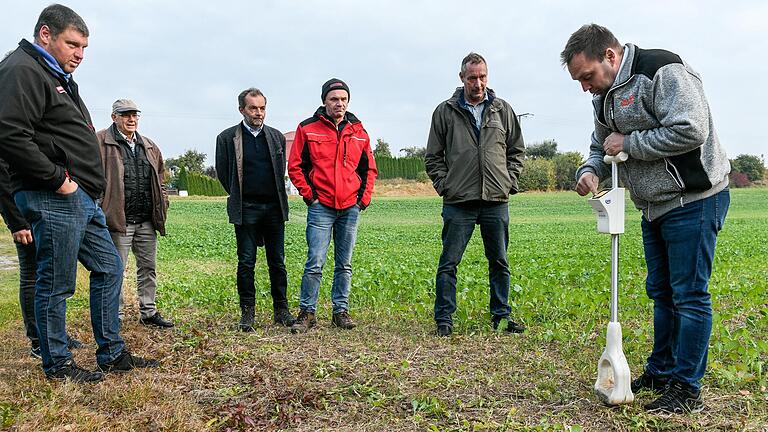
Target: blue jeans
(27,270)
(68,228)
(322,222)
(679,249)
(458,225)
(261,222)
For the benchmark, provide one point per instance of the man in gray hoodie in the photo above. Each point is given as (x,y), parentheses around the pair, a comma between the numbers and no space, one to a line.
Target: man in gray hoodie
(650,104)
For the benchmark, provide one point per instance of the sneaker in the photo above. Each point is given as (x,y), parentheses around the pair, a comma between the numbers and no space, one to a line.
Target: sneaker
(35,352)
(127,361)
(73,343)
(512,327)
(72,372)
(246,318)
(444,330)
(284,318)
(647,381)
(156,320)
(677,398)
(305,321)
(343,320)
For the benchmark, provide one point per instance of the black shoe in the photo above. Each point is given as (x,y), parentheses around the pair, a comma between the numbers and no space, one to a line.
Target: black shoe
(646,381)
(512,327)
(156,320)
(343,320)
(127,361)
(73,343)
(284,318)
(444,330)
(34,352)
(677,398)
(72,372)
(247,314)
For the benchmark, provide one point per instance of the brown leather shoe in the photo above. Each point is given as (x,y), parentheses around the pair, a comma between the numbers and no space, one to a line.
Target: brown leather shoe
(343,320)
(305,321)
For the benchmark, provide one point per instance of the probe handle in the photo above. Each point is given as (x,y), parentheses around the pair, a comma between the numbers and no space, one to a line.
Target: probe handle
(621,157)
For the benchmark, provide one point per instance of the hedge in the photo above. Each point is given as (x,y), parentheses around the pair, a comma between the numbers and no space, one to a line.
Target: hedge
(200,184)
(404,167)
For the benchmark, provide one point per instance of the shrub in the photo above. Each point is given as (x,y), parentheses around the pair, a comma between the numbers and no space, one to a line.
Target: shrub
(751,166)
(201,184)
(182,182)
(538,174)
(739,179)
(404,167)
(566,165)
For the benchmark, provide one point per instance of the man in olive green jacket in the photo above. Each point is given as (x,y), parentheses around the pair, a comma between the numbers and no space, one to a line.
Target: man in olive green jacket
(474,158)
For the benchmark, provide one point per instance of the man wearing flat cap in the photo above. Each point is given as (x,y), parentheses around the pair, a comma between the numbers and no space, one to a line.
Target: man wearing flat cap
(332,166)
(135,202)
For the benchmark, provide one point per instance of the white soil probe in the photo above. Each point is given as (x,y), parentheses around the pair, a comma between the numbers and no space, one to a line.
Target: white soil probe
(613,377)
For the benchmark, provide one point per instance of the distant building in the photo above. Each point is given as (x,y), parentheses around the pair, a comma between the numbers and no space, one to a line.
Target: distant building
(289,187)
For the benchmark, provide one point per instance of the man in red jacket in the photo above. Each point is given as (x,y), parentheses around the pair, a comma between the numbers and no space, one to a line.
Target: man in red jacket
(332,166)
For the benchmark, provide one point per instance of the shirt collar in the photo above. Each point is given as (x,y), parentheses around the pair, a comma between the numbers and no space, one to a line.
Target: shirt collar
(125,137)
(624,57)
(464,103)
(254,132)
(51,61)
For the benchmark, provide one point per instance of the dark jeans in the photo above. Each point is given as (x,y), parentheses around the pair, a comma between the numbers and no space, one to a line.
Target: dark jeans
(679,250)
(261,222)
(458,225)
(68,228)
(27,269)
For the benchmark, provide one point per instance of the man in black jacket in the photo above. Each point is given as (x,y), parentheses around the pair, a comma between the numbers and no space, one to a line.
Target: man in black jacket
(48,140)
(250,164)
(25,252)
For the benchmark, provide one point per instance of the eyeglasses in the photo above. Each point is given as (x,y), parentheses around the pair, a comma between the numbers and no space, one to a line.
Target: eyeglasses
(130,114)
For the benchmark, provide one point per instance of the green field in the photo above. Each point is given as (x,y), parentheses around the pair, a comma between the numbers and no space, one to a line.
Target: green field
(391,373)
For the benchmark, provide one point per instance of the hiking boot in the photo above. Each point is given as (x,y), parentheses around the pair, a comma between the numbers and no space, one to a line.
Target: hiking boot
(73,343)
(127,361)
(284,318)
(343,320)
(512,327)
(156,320)
(246,318)
(677,398)
(647,381)
(305,321)
(72,372)
(444,330)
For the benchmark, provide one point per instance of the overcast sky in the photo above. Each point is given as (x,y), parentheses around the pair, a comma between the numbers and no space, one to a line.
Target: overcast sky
(184,62)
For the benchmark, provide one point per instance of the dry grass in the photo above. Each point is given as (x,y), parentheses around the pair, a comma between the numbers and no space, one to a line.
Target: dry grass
(403,188)
(396,378)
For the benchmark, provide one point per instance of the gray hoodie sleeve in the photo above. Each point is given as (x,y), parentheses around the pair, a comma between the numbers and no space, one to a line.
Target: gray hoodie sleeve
(679,105)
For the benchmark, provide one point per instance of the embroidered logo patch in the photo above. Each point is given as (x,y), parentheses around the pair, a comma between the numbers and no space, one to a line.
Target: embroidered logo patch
(627,102)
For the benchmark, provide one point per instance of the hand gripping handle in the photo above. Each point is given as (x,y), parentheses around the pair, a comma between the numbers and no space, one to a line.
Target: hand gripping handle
(621,157)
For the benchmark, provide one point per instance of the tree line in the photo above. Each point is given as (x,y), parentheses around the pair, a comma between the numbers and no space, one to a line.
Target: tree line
(544,169)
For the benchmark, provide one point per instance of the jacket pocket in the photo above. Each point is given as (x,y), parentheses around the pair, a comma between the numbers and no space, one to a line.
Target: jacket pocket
(689,171)
(321,146)
(48,147)
(650,180)
(495,133)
